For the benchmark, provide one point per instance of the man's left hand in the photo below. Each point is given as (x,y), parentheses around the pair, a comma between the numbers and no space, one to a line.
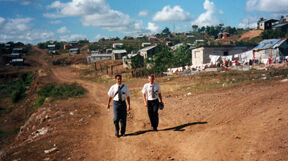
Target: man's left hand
(128,108)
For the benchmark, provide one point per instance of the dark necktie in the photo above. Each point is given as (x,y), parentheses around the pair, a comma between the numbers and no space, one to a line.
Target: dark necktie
(153,93)
(119,93)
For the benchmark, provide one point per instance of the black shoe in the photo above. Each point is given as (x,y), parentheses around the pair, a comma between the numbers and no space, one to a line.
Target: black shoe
(154,129)
(117,135)
(123,135)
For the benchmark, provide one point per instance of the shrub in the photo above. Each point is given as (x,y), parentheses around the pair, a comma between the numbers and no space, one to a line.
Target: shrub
(62,91)
(16,89)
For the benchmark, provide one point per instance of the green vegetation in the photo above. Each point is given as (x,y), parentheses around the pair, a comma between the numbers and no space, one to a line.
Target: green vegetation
(272,34)
(165,58)
(58,45)
(8,50)
(17,88)
(62,91)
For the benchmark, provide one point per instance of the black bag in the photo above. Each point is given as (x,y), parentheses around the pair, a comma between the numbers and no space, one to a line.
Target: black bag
(160,105)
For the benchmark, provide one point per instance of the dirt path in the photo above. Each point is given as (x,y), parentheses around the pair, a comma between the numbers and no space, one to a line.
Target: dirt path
(248,123)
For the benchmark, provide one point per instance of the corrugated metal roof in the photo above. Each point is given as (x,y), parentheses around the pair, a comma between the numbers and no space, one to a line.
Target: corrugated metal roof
(280,25)
(119,51)
(267,44)
(147,48)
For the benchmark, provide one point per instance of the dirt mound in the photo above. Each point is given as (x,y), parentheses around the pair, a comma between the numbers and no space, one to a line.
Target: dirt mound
(250,35)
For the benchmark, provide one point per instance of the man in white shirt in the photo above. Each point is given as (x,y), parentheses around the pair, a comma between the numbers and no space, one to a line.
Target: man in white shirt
(119,93)
(151,92)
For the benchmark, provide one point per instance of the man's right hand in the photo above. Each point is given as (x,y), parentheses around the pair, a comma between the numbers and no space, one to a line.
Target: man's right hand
(146,105)
(108,107)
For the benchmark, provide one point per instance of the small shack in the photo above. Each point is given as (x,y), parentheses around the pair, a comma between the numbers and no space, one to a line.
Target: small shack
(148,51)
(74,51)
(271,48)
(201,55)
(118,54)
(133,60)
(96,57)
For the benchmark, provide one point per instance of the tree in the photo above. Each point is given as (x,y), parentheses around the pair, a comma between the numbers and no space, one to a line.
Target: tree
(166,31)
(272,34)
(137,62)
(161,61)
(282,19)
(195,27)
(182,56)
(260,19)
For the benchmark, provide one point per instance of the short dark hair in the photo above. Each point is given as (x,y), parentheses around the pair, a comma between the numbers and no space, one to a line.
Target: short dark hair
(118,75)
(151,75)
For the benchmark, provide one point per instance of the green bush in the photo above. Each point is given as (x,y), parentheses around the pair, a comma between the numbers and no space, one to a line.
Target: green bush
(62,91)
(16,89)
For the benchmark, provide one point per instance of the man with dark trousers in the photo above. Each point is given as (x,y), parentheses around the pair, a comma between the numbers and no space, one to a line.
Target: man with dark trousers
(119,93)
(151,93)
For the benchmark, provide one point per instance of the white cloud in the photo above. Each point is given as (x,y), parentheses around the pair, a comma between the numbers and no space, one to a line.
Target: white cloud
(17,25)
(113,21)
(77,8)
(153,27)
(143,13)
(55,22)
(248,22)
(63,30)
(73,37)
(209,17)
(2,20)
(21,29)
(267,5)
(96,13)
(56,4)
(175,14)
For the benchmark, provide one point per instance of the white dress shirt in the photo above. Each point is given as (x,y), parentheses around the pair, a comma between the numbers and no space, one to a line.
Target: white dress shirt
(113,89)
(147,89)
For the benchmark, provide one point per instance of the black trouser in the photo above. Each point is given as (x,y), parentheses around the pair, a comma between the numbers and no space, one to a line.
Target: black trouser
(120,115)
(153,113)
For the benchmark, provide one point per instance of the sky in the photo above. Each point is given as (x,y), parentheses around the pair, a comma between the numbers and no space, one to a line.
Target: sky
(34,21)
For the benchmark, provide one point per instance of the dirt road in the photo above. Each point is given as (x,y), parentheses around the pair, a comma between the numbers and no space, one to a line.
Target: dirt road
(247,123)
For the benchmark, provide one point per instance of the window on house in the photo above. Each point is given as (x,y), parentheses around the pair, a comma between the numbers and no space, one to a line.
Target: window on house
(225,53)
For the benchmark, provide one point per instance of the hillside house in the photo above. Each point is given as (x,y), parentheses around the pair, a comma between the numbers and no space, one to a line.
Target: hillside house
(96,57)
(7,46)
(17,61)
(118,54)
(128,59)
(266,24)
(51,48)
(117,45)
(74,51)
(74,43)
(17,50)
(177,46)
(145,44)
(108,51)
(15,55)
(223,35)
(202,55)
(148,51)
(153,38)
(271,48)
(283,27)
(67,46)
